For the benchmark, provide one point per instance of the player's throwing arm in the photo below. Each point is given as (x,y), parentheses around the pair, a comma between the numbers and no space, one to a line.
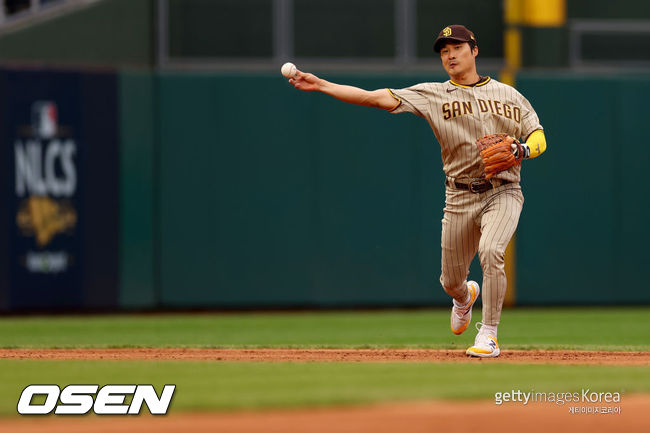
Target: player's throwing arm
(380,98)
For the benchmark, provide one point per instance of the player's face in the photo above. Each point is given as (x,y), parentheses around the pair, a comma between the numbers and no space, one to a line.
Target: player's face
(458,58)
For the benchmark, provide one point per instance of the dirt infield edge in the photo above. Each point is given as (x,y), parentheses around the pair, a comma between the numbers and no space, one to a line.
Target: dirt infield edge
(331,355)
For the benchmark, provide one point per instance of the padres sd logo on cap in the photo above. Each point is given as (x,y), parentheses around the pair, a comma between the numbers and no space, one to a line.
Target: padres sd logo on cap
(455,32)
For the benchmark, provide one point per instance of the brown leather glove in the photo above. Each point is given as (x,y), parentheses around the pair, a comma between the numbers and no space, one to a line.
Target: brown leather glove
(499,152)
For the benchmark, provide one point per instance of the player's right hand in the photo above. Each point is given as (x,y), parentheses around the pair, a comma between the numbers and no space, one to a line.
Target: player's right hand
(305,81)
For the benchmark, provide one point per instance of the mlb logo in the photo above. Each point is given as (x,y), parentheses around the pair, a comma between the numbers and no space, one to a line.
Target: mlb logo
(44,119)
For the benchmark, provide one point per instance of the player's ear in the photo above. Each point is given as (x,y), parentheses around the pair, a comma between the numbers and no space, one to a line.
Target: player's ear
(475,50)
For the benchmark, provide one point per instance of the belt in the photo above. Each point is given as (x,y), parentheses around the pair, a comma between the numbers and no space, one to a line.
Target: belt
(476,186)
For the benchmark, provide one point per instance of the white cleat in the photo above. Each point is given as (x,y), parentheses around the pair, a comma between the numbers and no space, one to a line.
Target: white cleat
(461,315)
(485,345)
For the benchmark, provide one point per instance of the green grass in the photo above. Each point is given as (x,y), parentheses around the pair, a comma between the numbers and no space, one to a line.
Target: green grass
(577,328)
(210,386)
(248,385)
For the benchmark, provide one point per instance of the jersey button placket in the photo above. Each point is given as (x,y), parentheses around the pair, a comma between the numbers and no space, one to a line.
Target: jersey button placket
(481,115)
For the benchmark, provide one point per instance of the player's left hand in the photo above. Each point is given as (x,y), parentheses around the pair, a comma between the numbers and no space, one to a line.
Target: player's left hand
(525,150)
(497,153)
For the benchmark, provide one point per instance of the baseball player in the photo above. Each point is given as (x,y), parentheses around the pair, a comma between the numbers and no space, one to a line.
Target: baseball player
(483,196)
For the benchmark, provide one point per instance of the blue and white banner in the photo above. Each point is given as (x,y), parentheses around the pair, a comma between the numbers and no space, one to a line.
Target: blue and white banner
(50,129)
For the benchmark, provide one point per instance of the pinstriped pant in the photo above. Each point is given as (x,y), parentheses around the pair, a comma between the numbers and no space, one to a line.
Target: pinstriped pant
(484,223)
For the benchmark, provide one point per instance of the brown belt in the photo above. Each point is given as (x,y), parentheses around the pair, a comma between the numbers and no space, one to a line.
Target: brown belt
(477,186)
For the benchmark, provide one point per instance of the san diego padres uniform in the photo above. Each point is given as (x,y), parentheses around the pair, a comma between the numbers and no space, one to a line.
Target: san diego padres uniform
(481,221)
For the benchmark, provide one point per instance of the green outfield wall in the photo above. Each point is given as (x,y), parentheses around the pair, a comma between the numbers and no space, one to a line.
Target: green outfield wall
(584,233)
(137,93)
(238,191)
(208,190)
(272,197)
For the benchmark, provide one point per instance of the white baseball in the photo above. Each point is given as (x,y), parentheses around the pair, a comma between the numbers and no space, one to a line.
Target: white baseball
(288,70)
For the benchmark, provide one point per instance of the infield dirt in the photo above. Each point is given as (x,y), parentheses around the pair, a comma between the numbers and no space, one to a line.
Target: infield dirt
(333,355)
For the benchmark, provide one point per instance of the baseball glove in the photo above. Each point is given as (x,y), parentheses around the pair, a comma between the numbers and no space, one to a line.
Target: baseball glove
(499,152)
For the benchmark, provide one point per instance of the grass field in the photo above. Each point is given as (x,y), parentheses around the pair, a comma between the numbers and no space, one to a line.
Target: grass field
(229,385)
(583,329)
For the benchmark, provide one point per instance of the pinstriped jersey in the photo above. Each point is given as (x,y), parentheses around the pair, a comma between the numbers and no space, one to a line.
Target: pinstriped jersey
(459,115)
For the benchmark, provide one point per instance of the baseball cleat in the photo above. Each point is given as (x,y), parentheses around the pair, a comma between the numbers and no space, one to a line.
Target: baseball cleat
(461,315)
(485,346)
